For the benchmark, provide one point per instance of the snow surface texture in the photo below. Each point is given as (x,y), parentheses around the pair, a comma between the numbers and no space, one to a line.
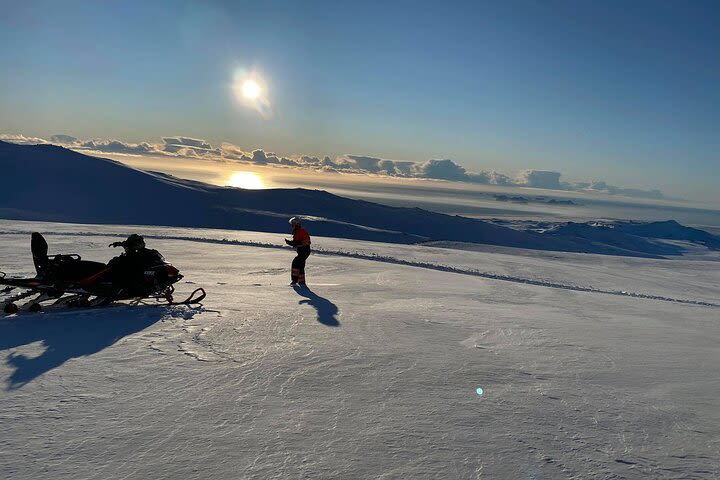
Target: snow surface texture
(68,186)
(370,373)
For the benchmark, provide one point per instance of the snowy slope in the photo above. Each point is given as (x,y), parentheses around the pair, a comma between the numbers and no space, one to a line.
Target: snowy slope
(372,373)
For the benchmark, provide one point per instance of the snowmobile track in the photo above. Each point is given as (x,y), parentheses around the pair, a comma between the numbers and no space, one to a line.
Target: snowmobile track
(407,263)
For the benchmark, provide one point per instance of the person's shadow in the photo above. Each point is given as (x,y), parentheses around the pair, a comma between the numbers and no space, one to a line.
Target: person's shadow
(69,335)
(326,310)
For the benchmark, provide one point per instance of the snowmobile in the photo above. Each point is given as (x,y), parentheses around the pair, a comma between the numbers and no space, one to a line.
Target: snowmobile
(137,275)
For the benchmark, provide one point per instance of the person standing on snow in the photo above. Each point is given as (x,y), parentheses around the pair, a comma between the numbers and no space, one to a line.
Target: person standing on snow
(301,242)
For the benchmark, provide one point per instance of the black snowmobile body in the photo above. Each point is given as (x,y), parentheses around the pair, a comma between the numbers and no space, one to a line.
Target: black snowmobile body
(88,283)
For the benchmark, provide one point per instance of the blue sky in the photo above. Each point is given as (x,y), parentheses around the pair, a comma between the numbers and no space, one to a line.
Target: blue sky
(625,92)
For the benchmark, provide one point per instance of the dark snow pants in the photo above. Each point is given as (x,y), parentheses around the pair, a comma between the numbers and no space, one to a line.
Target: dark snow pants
(297,274)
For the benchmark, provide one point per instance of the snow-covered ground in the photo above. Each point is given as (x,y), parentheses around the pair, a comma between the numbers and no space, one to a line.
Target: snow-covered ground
(373,371)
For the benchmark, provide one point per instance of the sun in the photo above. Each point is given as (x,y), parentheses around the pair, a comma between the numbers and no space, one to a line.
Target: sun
(250,89)
(246,180)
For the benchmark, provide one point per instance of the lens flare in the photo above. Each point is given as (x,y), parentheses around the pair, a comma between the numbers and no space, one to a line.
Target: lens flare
(479,391)
(246,180)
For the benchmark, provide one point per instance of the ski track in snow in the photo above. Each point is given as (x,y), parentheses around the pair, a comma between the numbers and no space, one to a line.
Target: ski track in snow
(398,261)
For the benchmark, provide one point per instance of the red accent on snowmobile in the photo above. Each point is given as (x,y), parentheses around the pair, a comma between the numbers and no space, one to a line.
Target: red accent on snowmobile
(21,282)
(85,282)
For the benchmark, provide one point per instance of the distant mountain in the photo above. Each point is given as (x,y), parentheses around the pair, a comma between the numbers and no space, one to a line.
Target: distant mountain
(52,183)
(637,236)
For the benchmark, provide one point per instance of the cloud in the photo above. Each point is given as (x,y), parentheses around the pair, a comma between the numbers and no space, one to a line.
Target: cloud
(449,170)
(260,157)
(403,169)
(229,151)
(445,169)
(495,178)
(63,139)
(539,179)
(441,170)
(369,164)
(602,187)
(189,147)
(21,139)
(188,142)
(116,146)
(361,164)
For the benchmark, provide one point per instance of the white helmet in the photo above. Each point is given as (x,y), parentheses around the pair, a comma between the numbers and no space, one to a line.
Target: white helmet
(295,221)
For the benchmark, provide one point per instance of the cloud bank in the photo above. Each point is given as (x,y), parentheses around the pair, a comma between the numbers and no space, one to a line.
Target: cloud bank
(21,139)
(435,169)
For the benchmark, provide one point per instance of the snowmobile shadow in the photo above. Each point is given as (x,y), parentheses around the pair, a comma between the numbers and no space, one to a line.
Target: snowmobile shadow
(68,335)
(326,310)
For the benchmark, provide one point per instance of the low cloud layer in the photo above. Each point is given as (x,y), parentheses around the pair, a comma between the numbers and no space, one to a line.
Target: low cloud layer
(21,139)
(602,187)
(443,169)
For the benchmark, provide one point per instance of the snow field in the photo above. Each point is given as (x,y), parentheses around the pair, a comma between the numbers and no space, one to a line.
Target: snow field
(370,374)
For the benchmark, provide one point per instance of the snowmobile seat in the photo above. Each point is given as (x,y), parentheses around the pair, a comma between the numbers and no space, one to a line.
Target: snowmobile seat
(72,269)
(60,268)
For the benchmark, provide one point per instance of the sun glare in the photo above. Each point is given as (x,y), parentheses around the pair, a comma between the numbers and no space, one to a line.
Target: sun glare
(246,180)
(250,89)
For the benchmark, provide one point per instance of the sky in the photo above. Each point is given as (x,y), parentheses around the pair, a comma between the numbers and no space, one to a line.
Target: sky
(623,92)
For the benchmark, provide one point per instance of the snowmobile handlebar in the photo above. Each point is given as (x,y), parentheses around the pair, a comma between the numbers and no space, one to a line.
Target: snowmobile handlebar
(117,244)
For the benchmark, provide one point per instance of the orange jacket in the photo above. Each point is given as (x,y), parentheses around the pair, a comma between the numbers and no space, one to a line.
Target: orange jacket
(301,238)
